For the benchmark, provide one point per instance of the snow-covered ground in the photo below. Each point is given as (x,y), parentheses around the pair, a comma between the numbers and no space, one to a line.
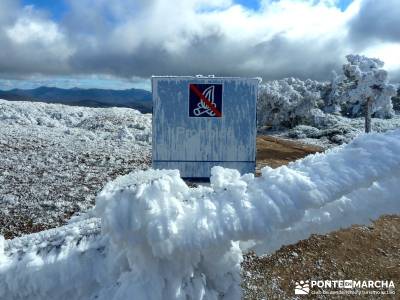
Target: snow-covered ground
(54,159)
(161,239)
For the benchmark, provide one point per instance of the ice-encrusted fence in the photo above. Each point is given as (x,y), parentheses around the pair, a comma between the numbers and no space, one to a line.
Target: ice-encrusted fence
(161,239)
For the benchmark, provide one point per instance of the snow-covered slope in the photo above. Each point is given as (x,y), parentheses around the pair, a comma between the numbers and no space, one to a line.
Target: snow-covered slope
(161,239)
(56,158)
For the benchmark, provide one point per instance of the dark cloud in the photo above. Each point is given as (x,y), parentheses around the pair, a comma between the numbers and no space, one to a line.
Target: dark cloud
(303,59)
(376,20)
(394,76)
(215,53)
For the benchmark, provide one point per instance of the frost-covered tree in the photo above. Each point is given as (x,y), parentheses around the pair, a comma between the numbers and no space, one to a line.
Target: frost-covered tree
(288,102)
(363,86)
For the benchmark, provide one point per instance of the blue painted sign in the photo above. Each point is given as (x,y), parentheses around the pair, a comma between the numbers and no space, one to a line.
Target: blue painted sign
(205,100)
(189,132)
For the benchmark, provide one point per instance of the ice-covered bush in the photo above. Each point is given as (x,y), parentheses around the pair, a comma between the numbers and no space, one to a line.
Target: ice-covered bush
(289,102)
(304,131)
(335,129)
(338,134)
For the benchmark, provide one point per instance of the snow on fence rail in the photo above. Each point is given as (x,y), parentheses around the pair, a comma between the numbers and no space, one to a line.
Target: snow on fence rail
(161,239)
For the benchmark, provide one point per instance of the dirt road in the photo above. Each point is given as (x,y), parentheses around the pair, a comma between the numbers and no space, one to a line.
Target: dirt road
(275,152)
(357,253)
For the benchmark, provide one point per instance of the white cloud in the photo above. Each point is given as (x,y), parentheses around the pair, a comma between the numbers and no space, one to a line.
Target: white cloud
(26,30)
(389,53)
(169,23)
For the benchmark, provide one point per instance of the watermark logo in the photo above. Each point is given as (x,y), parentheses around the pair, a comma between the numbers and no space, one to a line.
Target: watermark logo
(302,287)
(344,287)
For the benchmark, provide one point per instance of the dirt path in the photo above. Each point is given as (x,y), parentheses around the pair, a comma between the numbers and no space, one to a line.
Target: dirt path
(356,253)
(275,152)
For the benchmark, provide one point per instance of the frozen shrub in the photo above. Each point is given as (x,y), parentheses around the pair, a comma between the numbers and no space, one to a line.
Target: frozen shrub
(304,131)
(288,102)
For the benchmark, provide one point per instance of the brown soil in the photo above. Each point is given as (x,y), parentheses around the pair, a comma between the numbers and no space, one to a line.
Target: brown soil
(275,152)
(356,253)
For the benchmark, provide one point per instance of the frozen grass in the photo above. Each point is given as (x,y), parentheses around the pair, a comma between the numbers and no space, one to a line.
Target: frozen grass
(56,158)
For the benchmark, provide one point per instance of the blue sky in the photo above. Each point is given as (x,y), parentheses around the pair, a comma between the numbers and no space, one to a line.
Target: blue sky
(255,4)
(343,4)
(55,7)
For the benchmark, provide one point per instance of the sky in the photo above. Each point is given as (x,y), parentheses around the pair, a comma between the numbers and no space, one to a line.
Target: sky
(120,43)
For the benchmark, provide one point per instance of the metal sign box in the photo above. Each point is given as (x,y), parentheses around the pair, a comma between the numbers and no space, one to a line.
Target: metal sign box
(201,122)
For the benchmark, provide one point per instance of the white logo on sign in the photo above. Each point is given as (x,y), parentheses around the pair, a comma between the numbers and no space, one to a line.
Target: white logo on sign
(302,287)
(202,108)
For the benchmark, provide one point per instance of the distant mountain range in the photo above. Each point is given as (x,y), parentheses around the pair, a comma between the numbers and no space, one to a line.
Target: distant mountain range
(132,98)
